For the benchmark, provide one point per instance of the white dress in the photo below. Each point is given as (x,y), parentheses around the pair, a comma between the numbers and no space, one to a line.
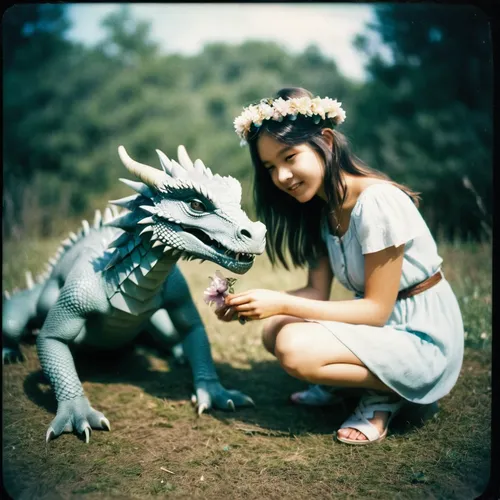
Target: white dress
(419,352)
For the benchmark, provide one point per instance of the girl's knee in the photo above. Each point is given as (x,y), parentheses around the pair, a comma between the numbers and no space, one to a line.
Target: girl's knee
(291,350)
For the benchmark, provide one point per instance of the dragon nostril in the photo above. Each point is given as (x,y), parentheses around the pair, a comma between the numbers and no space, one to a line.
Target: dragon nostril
(246,233)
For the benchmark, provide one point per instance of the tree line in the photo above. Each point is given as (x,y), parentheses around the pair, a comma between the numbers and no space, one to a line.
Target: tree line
(424,116)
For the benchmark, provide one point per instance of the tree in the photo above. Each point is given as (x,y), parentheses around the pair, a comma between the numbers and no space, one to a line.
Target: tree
(67,119)
(30,32)
(430,109)
(128,39)
(32,39)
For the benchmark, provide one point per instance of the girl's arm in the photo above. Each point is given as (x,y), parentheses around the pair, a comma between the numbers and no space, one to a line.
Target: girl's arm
(319,282)
(382,278)
(318,286)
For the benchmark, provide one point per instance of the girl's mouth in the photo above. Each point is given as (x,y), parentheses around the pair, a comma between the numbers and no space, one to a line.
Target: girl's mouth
(295,187)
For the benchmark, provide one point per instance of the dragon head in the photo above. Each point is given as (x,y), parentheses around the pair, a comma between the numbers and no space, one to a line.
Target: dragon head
(191,212)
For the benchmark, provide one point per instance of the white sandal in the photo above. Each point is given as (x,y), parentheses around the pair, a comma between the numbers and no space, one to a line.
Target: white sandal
(366,409)
(315,395)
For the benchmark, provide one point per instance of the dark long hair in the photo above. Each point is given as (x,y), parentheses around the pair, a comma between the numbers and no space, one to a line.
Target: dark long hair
(295,226)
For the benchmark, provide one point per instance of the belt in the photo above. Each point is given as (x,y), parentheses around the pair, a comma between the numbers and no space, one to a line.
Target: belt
(420,287)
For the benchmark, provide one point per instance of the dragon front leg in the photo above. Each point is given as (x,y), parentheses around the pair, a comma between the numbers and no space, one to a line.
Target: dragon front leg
(164,334)
(209,392)
(63,324)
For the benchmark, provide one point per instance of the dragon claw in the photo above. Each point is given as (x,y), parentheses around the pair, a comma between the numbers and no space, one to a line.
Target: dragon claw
(50,435)
(105,424)
(202,408)
(87,432)
(211,394)
(250,401)
(76,415)
(11,355)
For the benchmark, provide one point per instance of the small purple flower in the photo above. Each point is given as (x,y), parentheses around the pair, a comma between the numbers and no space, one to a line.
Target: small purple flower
(218,288)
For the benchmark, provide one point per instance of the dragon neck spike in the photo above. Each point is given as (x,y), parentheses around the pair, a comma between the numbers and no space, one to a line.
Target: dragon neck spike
(127,222)
(126,202)
(139,187)
(107,216)
(178,171)
(158,243)
(149,209)
(202,169)
(97,219)
(165,162)
(147,229)
(146,220)
(152,177)
(85,226)
(29,280)
(123,239)
(114,211)
(184,159)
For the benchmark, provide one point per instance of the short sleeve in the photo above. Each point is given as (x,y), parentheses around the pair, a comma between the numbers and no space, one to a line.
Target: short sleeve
(386,216)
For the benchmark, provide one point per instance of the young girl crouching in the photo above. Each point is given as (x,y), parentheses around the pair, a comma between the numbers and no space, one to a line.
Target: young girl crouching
(401,338)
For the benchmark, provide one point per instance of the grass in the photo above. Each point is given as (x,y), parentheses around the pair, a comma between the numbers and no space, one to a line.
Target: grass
(159,448)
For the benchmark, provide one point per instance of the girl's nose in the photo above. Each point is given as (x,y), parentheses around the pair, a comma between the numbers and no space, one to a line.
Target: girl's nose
(284,174)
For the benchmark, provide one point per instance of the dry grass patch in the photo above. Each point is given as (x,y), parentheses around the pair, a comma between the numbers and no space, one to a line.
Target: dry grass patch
(159,448)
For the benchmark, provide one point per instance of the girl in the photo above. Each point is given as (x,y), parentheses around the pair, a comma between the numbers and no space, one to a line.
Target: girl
(401,339)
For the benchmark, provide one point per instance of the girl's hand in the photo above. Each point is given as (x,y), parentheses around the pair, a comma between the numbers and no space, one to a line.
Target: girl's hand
(257,304)
(225,313)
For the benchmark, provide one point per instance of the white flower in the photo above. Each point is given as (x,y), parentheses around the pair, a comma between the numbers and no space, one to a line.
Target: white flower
(282,106)
(279,108)
(266,111)
(303,105)
(253,113)
(340,117)
(317,107)
(241,125)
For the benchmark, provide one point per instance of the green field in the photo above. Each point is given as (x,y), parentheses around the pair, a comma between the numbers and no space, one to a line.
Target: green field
(159,448)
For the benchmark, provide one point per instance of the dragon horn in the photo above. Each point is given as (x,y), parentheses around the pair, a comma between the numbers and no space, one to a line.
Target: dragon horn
(150,176)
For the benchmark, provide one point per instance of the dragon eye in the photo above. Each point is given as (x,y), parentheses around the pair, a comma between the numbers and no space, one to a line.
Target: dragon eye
(197,206)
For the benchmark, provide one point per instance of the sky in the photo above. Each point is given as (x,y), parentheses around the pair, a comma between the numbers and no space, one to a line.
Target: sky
(185,28)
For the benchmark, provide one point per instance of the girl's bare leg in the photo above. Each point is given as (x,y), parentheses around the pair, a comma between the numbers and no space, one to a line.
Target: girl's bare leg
(310,352)
(272,327)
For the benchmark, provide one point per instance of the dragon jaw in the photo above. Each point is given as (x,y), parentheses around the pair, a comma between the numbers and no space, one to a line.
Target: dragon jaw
(189,211)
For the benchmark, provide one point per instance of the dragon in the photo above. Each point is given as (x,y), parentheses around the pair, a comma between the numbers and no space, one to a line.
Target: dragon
(118,278)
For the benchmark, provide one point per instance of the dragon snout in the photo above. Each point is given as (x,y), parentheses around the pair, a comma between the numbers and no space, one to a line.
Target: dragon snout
(255,234)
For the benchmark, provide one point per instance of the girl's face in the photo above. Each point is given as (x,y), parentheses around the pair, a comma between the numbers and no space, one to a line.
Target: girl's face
(297,170)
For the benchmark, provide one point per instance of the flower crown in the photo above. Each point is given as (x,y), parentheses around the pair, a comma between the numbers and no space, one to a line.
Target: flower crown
(277,109)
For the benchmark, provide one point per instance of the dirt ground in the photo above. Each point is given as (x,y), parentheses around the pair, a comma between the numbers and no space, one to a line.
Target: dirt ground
(158,447)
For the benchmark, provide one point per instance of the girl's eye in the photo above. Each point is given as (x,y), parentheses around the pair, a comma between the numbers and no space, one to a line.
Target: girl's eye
(290,157)
(197,206)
